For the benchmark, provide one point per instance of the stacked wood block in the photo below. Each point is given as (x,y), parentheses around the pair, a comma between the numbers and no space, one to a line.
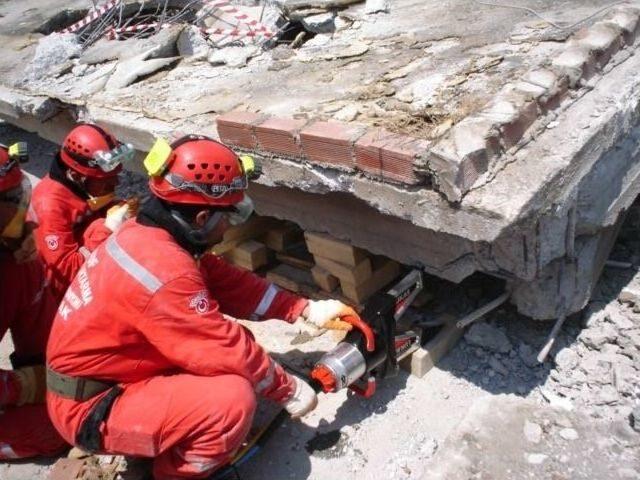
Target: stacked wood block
(359,274)
(315,265)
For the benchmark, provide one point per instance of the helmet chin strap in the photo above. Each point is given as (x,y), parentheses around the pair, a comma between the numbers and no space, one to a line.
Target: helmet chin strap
(198,237)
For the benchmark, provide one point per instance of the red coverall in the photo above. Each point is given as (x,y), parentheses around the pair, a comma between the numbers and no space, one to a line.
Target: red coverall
(143,314)
(67,231)
(27,309)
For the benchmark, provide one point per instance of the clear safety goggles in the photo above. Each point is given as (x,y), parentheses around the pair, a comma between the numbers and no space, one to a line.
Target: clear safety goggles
(109,160)
(242,211)
(214,190)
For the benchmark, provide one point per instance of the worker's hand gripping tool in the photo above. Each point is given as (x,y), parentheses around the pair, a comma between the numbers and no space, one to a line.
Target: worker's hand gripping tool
(372,350)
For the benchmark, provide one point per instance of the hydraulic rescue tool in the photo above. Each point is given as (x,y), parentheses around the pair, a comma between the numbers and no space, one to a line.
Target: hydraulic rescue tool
(370,352)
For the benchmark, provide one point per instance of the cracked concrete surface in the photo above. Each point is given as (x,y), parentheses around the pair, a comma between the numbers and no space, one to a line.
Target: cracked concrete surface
(420,69)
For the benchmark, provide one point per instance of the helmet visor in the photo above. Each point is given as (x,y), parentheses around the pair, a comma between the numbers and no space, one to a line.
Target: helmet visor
(212,190)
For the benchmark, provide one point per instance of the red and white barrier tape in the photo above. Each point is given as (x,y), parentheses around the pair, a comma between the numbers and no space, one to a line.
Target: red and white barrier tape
(91,17)
(242,18)
(236,32)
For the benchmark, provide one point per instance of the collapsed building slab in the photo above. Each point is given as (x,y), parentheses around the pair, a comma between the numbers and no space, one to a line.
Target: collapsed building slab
(453,136)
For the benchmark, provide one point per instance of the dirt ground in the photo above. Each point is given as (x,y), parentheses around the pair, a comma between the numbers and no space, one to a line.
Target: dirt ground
(488,411)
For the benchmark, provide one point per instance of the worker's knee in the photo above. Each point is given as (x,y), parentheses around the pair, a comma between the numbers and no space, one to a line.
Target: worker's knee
(241,399)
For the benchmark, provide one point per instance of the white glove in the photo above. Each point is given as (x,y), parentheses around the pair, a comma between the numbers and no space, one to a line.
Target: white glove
(116,216)
(303,400)
(327,314)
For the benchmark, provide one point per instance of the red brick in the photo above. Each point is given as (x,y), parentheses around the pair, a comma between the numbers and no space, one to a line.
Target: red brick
(368,151)
(398,158)
(280,135)
(237,128)
(330,143)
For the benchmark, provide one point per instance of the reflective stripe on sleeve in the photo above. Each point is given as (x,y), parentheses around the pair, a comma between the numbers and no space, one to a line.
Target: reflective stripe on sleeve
(133,268)
(267,300)
(267,381)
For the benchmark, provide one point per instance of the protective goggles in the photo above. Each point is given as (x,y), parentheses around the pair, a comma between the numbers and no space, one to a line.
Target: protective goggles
(108,161)
(213,190)
(242,211)
(14,205)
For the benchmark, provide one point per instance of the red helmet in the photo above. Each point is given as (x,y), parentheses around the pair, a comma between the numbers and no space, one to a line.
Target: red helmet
(201,171)
(81,146)
(10,172)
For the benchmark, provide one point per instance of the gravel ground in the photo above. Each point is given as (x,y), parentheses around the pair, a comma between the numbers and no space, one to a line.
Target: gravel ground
(489,410)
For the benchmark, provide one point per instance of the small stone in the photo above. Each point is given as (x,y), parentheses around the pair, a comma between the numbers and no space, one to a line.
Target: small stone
(322,23)
(232,56)
(615,316)
(596,337)
(566,359)
(607,395)
(532,432)
(488,337)
(569,434)
(536,458)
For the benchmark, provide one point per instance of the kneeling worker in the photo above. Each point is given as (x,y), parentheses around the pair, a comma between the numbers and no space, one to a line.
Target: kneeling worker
(26,311)
(141,359)
(70,204)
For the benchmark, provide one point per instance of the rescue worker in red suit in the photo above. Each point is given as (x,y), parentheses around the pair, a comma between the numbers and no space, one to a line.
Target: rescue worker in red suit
(141,359)
(26,310)
(70,203)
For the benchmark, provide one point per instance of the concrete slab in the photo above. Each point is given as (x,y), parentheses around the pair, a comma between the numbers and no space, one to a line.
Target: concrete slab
(521,125)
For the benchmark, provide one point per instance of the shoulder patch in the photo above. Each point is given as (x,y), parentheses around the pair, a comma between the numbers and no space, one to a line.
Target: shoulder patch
(52,242)
(200,302)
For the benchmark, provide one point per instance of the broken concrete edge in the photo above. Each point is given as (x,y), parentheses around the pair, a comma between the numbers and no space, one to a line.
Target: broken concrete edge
(472,146)
(457,162)
(379,153)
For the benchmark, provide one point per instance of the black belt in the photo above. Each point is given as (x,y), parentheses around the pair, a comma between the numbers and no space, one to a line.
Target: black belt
(76,388)
(89,437)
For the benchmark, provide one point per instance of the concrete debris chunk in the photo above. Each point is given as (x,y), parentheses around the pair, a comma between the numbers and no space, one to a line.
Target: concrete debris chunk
(52,52)
(488,337)
(322,23)
(376,6)
(290,6)
(163,44)
(597,337)
(128,71)
(191,43)
(566,359)
(232,56)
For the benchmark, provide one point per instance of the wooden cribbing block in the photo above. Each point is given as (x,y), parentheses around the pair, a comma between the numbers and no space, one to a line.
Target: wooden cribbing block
(296,258)
(384,272)
(328,247)
(224,247)
(291,278)
(354,275)
(252,228)
(250,255)
(281,238)
(324,279)
(424,359)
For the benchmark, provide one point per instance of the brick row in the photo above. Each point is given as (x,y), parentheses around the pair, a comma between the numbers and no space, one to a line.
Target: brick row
(378,153)
(466,152)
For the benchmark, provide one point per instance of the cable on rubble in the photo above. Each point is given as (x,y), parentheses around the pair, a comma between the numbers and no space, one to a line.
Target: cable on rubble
(553,24)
